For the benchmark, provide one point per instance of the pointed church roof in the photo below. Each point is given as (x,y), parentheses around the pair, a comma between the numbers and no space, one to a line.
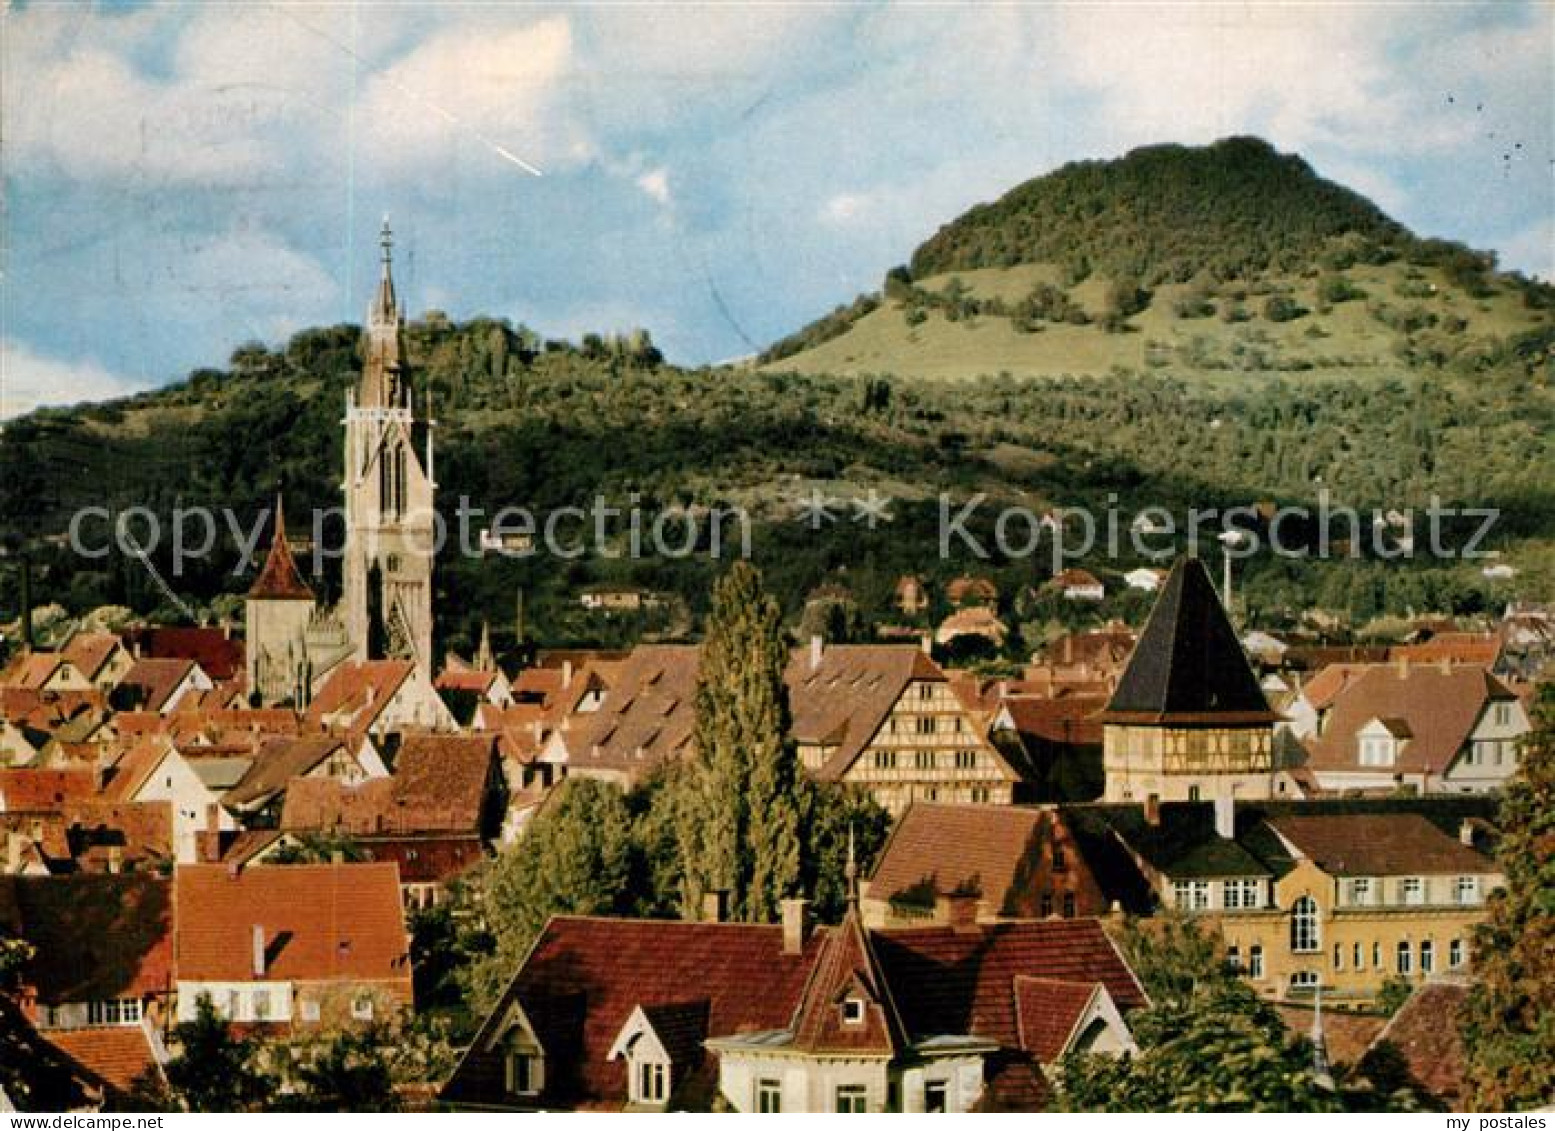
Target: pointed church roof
(279,580)
(385,308)
(1188,666)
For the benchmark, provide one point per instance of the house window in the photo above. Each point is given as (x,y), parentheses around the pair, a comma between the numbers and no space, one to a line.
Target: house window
(1427,956)
(1234,957)
(1406,958)
(523,1073)
(1303,925)
(1240,893)
(1069,905)
(1377,751)
(769,1097)
(118,1011)
(852,1098)
(925,691)
(1455,953)
(1360,891)
(260,1003)
(966,759)
(1338,957)
(310,1010)
(1045,907)
(924,759)
(651,1082)
(1356,956)
(1376,956)
(936,1094)
(885,759)
(1467,889)
(1193,793)
(232,1005)
(1060,860)
(1503,714)
(1255,962)
(853,1011)
(362,1008)
(1413,889)
(1191,895)
(925,724)
(980,795)
(1303,980)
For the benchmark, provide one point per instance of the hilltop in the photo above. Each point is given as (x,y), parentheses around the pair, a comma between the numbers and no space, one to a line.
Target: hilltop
(1206,262)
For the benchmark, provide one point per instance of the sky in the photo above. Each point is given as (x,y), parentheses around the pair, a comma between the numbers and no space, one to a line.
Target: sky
(182,178)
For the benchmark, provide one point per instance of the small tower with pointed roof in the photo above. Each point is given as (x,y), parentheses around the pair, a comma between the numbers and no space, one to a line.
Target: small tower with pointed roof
(1188,720)
(276,614)
(387,572)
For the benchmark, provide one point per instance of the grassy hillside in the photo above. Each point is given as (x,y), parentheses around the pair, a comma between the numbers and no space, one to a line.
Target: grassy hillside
(1201,263)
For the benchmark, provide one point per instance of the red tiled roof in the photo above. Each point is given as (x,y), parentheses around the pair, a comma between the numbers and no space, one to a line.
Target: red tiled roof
(118,1055)
(950,981)
(1425,1030)
(944,849)
(219,654)
(131,835)
(1440,706)
(96,936)
(158,678)
(1459,647)
(478,682)
(647,717)
(360,690)
(279,579)
(321,922)
(1381,844)
(1047,1010)
(33,670)
(1346,1035)
(278,762)
(1066,721)
(844,969)
(89,651)
(585,976)
(438,785)
(44,791)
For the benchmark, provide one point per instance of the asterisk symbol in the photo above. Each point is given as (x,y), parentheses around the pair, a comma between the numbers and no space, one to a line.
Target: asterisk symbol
(816,509)
(873,509)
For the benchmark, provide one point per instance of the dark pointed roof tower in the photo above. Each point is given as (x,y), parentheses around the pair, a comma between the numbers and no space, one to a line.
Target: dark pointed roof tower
(383,367)
(1188,667)
(279,579)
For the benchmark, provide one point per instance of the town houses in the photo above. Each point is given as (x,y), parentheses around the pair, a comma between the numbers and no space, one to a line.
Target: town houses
(260,818)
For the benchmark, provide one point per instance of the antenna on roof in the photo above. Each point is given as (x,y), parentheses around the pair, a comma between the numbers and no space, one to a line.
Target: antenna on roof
(850,871)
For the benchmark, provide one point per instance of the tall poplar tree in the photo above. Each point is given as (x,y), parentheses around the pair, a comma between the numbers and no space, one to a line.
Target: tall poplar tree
(1509,1019)
(740,814)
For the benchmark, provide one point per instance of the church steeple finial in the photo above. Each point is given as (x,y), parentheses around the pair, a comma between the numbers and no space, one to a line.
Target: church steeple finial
(385,309)
(386,241)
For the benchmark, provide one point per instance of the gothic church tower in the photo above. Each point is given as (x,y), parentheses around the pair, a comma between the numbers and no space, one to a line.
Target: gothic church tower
(388,496)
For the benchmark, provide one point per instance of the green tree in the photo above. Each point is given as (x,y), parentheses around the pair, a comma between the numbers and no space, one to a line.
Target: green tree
(575,858)
(348,1072)
(739,817)
(1509,1021)
(215,1070)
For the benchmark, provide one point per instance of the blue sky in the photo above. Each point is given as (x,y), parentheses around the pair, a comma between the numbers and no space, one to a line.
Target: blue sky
(181,178)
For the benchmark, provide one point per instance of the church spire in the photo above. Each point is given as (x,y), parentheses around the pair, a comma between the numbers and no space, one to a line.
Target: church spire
(385,308)
(383,384)
(280,580)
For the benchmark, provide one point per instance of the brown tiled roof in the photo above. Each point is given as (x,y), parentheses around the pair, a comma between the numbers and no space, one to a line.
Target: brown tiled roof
(1459,647)
(1440,706)
(975,621)
(158,678)
(1067,721)
(468,680)
(963,981)
(1425,1030)
(843,702)
(279,761)
(1381,844)
(134,835)
(946,849)
(1047,1010)
(846,968)
(33,670)
(647,717)
(1189,666)
(438,785)
(89,651)
(1346,1035)
(95,936)
(1075,579)
(321,922)
(134,765)
(41,833)
(45,791)
(119,1055)
(1321,690)
(585,976)
(279,579)
(359,690)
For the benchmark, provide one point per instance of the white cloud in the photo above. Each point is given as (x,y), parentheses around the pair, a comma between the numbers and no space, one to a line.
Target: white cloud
(29,379)
(656,183)
(845,208)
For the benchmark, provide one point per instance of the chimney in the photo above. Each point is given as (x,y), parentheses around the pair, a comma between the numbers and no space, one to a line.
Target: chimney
(1153,809)
(115,859)
(715,906)
(213,819)
(1225,816)
(817,651)
(1403,665)
(796,925)
(926,643)
(961,912)
(259,951)
(1446,665)
(566,674)
(1069,648)
(337,858)
(1466,833)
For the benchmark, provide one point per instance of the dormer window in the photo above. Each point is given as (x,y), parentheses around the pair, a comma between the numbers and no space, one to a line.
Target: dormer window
(651,1082)
(1379,741)
(523,1073)
(853,1011)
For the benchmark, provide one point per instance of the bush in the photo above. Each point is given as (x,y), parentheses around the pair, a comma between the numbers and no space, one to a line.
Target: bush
(1282,308)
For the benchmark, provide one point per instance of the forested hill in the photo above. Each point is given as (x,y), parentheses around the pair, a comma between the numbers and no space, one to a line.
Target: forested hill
(1224,259)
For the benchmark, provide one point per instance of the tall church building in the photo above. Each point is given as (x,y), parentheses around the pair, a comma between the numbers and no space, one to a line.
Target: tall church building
(1188,720)
(385,612)
(387,582)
